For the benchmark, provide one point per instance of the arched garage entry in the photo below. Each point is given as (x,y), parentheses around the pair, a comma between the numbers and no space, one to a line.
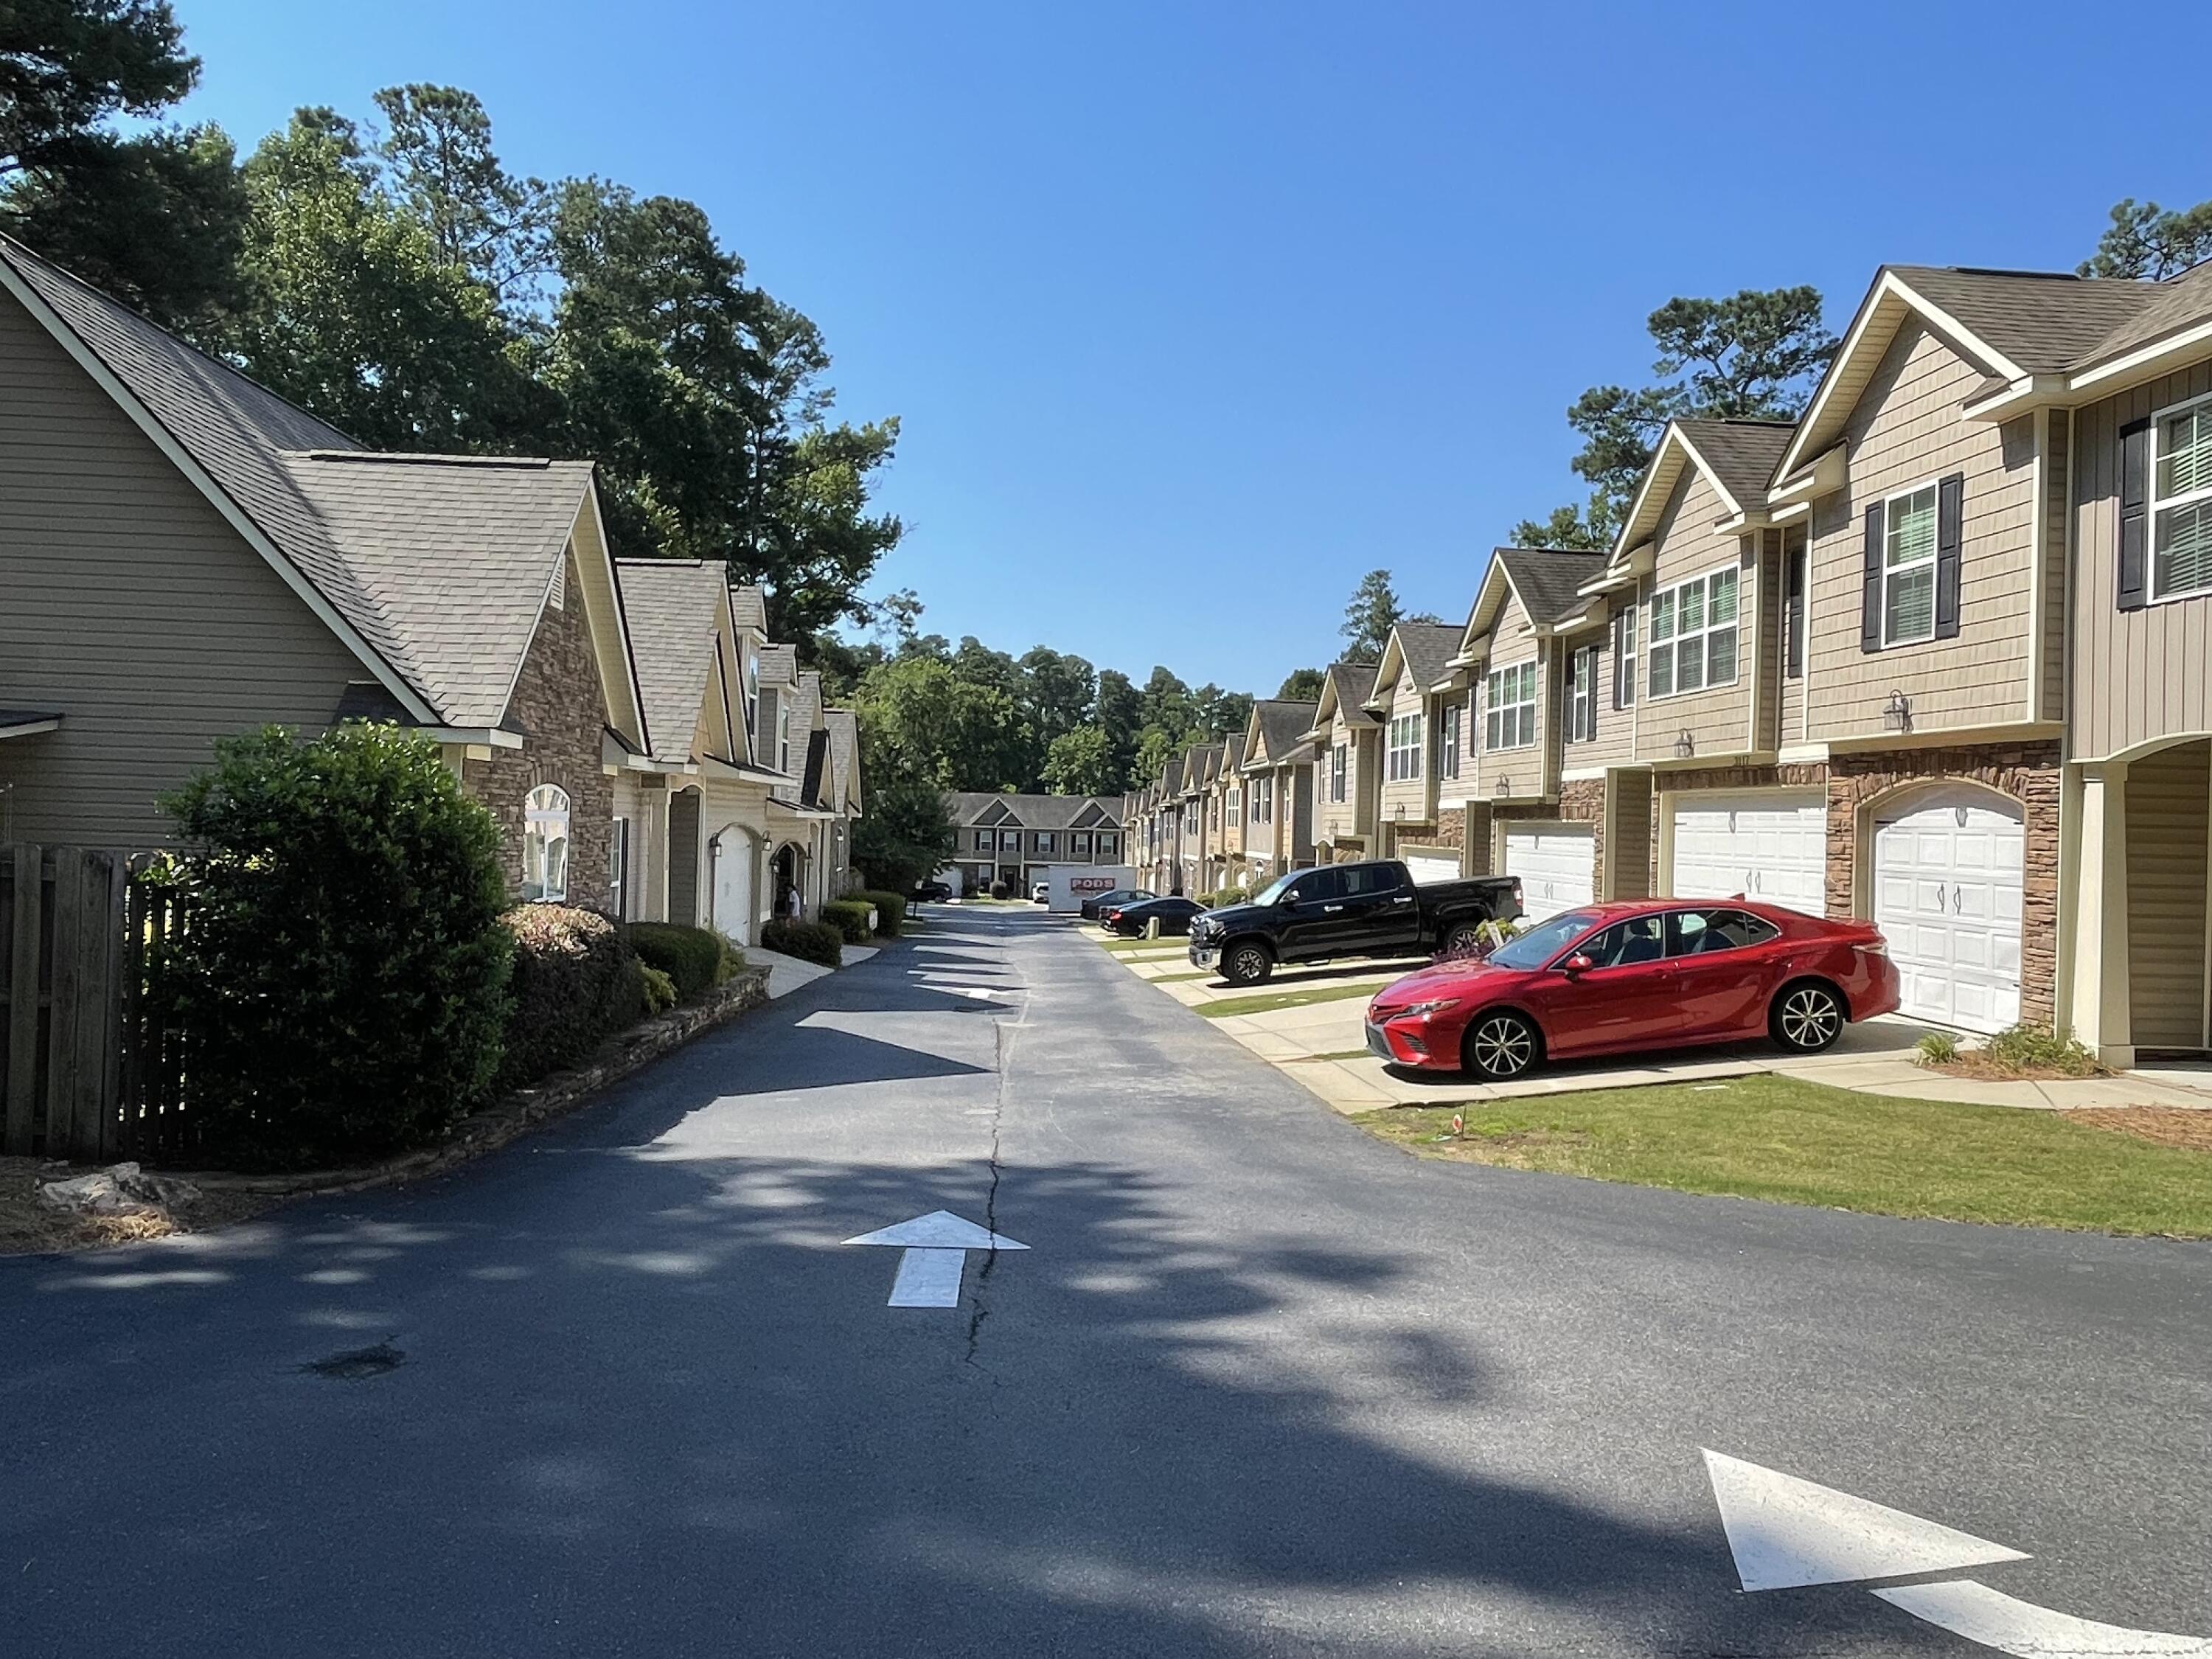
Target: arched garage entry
(734,858)
(1948,862)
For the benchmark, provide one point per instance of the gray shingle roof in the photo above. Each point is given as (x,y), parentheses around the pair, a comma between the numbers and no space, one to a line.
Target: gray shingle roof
(779,664)
(1355,683)
(844,754)
(1546,578)
(1283,726)
(437,562)
(2180,302)
(457,556)
(2044,323)
(1427,647)
(1034,812)
(670,604)
(1742,454)
(748,607)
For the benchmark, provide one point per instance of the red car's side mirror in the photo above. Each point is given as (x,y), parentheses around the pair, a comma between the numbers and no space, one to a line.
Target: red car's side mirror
(1576,964)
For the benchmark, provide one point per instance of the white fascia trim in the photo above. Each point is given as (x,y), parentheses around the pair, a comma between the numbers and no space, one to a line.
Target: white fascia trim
(1802,754)
(31,728)
(1949,737)
(1582,773)
(1827,474)
(1736,507)
(178,457)
(1791,514)
(1630,534)
(2018,397)
(2152,355)
(479,736)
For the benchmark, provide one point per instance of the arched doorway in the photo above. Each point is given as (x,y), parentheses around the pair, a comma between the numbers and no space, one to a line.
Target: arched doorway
(734,905)
(788,878)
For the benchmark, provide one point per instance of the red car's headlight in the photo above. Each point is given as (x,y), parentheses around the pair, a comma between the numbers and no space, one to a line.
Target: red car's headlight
(1423,1009)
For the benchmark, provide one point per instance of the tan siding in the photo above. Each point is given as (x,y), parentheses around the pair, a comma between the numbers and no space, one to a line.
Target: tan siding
(2168,794)
(1766,719)
(1616,727)
(1907,431)
(1511,643)
(1790,698)
(2057,529)
(129,605)
(1628,836)
(1411,794)
(1717,719)
(2137,676)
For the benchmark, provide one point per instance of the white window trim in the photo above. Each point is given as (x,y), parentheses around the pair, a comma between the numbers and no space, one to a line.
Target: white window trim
(546,822)
(1934,486)
(1631,654)
(1449,724)
(1675,639)
(1405,756)
(2153,505)
(1582,705)
(1340,770)
(1528,702)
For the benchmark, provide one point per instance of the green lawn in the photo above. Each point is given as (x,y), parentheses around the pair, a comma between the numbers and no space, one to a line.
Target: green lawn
(1262,1001)
(1792,1142)
(1122,947)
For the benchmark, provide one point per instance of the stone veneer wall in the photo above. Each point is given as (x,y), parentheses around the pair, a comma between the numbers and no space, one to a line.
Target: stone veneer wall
(559,705)
(2028,772)
(1451,827)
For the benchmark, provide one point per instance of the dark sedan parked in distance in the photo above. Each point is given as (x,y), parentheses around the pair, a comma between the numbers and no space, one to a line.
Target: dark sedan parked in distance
(1172,914)
(1099,903)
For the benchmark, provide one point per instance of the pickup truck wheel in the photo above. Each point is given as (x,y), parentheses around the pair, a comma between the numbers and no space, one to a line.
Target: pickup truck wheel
(1500,1047)
(1247,964)
(1460,938)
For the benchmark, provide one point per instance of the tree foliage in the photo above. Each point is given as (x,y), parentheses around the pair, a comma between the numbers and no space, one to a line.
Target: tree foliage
(905,836)
(1302,685)
(2147,241)
(1755,354)
(1373,611)
(153,214)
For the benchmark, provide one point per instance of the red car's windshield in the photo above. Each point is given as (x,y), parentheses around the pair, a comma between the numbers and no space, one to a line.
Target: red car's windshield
(1536,947)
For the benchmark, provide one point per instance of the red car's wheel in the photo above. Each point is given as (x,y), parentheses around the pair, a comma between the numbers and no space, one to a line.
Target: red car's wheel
(1499,1047)
(1807,1017)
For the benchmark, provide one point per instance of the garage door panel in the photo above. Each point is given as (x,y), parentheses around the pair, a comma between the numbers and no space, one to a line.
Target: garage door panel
(1765,846)
(1554,863)
(1948,896)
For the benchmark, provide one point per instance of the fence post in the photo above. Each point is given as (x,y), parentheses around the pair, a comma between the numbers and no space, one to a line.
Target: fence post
(22,1080)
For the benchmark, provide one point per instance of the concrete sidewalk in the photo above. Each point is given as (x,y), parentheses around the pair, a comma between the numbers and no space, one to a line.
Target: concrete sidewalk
(1323,1046)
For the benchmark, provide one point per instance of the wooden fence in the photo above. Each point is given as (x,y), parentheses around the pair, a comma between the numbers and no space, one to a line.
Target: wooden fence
(86,1071)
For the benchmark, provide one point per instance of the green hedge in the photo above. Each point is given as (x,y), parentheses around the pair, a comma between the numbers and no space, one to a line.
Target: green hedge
(576,982)
(339,986)
(697,958)
(891,911)
(810,941)
(1225,897)
(849,917)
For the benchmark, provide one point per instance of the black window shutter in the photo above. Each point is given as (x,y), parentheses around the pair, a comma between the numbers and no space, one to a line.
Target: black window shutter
(1950,530)
(1870,590)
(1793,613)
(2135,516)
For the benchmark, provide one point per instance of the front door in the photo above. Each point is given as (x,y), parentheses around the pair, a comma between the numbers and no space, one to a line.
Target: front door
(733,887)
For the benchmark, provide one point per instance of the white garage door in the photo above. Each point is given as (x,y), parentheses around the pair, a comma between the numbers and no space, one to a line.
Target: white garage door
(1947,896)
(1770,847)
(1554,863)
(1428,868)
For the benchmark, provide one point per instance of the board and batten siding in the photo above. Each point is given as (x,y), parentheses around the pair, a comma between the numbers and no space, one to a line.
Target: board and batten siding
(1905,432)
(130,606)
(2167,867)
(1717,719)
(2142,675)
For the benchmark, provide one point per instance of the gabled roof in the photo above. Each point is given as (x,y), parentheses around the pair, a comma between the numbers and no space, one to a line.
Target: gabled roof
(433,568)
(1737,458)
(1276,735)
(779,664)
(675,634)
(1547,580)
(844,728)
(748,607)
(1423,650)
(972,808)
(1171,774)
(1345,688)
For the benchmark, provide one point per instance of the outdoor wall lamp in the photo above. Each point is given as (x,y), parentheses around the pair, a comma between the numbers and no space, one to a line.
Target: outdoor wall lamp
(1896,713)
(1684,746)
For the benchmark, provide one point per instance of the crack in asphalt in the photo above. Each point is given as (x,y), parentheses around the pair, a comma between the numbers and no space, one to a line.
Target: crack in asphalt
(979,1310)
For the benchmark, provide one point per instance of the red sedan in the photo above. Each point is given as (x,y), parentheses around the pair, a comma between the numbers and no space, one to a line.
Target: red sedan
(1616,978)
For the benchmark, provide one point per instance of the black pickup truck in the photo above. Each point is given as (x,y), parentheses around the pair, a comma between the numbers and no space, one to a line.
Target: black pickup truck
(1372,910)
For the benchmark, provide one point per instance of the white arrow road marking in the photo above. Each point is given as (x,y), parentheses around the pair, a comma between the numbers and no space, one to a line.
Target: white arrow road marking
(1981,1615)
(936,1246)
(1785,1532)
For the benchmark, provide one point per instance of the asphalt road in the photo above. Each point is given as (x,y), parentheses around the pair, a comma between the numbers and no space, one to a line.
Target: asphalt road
(1261,1385)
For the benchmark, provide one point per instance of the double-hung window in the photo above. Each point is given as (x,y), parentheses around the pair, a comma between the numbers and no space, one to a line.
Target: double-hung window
(1582,694)
(1080,843)
(1908,567)
(1236,808)
(1447,741)
(1336,771)
(545,844)
(1624,659)
(1693,631)
(1508,715)
(1404,748)
(2181,501)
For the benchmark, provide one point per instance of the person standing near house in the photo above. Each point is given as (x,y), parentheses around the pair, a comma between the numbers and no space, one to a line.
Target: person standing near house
(791,906)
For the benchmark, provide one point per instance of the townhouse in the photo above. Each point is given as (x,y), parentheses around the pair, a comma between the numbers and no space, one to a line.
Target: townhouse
(1277,775)
(1015,839)
(1421,714)
(1347,745)
(184,556)
(1200,844)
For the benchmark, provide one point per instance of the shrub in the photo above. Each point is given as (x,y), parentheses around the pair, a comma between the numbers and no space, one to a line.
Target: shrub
(696,959)
(576,982)
(1225,897)
(1938,1048)
(997,889)
(659,989)
(890,910)
(810,941)
(341,984)
(849,917)
(2028,1048)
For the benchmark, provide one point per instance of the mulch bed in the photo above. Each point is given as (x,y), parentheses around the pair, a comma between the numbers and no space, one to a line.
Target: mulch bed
(2168,1125)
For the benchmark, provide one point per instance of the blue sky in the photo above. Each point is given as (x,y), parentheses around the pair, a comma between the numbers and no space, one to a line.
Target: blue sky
(1195,314)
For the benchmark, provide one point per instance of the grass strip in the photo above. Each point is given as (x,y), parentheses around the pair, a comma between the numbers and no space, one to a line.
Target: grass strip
(1227,1008)
(1788,1141)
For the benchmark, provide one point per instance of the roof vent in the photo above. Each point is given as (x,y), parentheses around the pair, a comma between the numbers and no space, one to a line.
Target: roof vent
(1998,270)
